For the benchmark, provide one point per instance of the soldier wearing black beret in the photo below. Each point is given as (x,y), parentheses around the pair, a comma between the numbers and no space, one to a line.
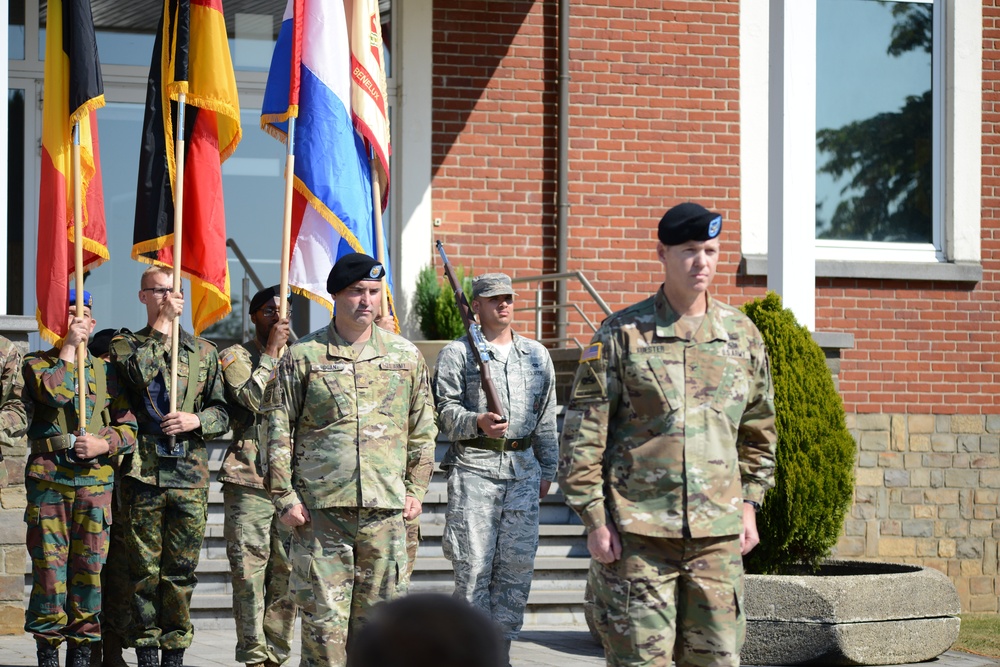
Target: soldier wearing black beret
(353,402)
(667,449)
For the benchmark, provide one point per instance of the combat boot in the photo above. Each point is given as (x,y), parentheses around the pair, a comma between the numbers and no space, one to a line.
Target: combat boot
(48,655)
(96,654)
(78,656)
(173,657)
(148,656)
(111,650)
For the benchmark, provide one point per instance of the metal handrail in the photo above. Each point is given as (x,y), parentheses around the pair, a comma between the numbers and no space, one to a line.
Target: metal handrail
(242,259)
(539,308)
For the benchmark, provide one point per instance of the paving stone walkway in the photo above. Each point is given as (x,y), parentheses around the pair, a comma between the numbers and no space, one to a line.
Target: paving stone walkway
(563,646)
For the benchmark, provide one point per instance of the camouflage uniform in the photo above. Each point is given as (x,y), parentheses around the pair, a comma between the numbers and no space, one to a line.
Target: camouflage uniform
(491,529)
(351,434)
(69,501)
(13,421)
(665,437)
(166,497)
(255,538)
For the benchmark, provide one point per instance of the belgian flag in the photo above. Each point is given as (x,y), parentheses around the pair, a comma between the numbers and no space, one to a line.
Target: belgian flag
(190,56)
(73,89)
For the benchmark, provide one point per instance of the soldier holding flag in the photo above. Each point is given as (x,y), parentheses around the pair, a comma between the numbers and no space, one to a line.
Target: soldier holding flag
(69,480)
(165,485)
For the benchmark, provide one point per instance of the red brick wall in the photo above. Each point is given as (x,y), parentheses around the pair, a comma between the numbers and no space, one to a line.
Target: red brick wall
(654,120)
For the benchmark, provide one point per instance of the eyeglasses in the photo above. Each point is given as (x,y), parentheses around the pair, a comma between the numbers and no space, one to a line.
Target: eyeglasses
(159,292)
(271,311)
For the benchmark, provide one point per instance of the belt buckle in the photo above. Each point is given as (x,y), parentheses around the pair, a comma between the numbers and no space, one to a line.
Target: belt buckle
(514,445)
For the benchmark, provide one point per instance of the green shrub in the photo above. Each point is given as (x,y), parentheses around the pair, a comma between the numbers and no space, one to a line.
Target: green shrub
(801,517)
(434,304)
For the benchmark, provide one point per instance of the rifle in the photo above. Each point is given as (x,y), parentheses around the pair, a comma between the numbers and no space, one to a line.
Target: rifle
(476,340)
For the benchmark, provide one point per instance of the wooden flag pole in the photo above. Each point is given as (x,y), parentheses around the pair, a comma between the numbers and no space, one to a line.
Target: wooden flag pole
(175,327)
(379,234)
(81,350)
(286,228)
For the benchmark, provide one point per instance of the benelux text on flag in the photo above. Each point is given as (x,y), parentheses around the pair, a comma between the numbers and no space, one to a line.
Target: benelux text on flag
(327,73)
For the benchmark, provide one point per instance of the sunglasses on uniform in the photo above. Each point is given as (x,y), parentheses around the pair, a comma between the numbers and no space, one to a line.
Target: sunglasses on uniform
(159,292)
(272,311)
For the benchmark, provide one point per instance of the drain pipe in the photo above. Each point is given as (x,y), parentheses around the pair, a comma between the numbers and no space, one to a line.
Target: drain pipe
(562,176)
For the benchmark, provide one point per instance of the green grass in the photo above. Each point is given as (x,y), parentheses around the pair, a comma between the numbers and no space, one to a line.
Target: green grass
(980,634)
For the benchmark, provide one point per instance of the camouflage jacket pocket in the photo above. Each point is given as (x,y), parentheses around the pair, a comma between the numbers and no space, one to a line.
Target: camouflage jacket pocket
(651,390)
(393,386)
(326,402)
(727,378)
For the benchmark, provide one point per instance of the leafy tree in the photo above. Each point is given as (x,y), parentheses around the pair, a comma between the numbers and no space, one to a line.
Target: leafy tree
(888,156)
(802,516)
(435,305)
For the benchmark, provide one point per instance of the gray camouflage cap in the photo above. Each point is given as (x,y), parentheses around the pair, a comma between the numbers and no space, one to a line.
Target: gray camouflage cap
(492,284)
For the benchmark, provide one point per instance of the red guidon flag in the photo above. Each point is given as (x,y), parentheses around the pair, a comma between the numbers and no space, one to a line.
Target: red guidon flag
(190,56)
(73,89)
(369,103)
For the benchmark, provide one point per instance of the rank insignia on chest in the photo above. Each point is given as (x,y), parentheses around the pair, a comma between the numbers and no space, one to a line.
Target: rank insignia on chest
(591,353)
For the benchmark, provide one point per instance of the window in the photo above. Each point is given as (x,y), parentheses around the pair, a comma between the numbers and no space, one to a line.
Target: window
(125,31)
(15,201)
(15,30)
(876,121)
(876,63)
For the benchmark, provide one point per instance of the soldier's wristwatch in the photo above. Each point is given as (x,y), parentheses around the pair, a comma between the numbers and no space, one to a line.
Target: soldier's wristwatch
(754,504)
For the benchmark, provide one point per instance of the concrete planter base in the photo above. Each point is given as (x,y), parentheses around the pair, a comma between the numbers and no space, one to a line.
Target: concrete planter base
(850,613)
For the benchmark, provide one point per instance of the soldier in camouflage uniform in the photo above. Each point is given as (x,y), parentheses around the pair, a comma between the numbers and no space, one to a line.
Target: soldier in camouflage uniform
(667,450)
(498,469)
(165,482)
(69,480)
(351,448)
(115,585)
(255,538)
(13,421)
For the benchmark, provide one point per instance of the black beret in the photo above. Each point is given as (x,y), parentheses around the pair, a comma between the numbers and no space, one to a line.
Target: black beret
(101,342)
(351,268)
(688,222)
(262,297)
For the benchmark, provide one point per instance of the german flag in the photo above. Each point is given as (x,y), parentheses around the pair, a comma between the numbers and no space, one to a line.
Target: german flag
(73,89)
(190,56)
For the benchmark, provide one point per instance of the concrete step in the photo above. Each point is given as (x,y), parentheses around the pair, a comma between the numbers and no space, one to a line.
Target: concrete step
(560,565)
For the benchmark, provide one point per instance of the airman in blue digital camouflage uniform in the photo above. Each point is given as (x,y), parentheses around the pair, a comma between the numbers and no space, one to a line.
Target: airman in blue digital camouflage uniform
(499,466)
(69,480)
(667,450)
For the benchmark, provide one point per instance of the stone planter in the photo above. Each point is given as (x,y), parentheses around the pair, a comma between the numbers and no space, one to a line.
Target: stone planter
(430,349)
(850,613)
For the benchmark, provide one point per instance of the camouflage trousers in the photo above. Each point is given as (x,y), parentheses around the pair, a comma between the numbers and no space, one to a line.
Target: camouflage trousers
(116,587)
(671,601)
(258,559)
(165,531)
(67,539)
(490,537)
(412,543)
(344,562)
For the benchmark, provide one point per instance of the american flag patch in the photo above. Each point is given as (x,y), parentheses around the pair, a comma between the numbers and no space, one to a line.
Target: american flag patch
(591,353)
(227,359)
